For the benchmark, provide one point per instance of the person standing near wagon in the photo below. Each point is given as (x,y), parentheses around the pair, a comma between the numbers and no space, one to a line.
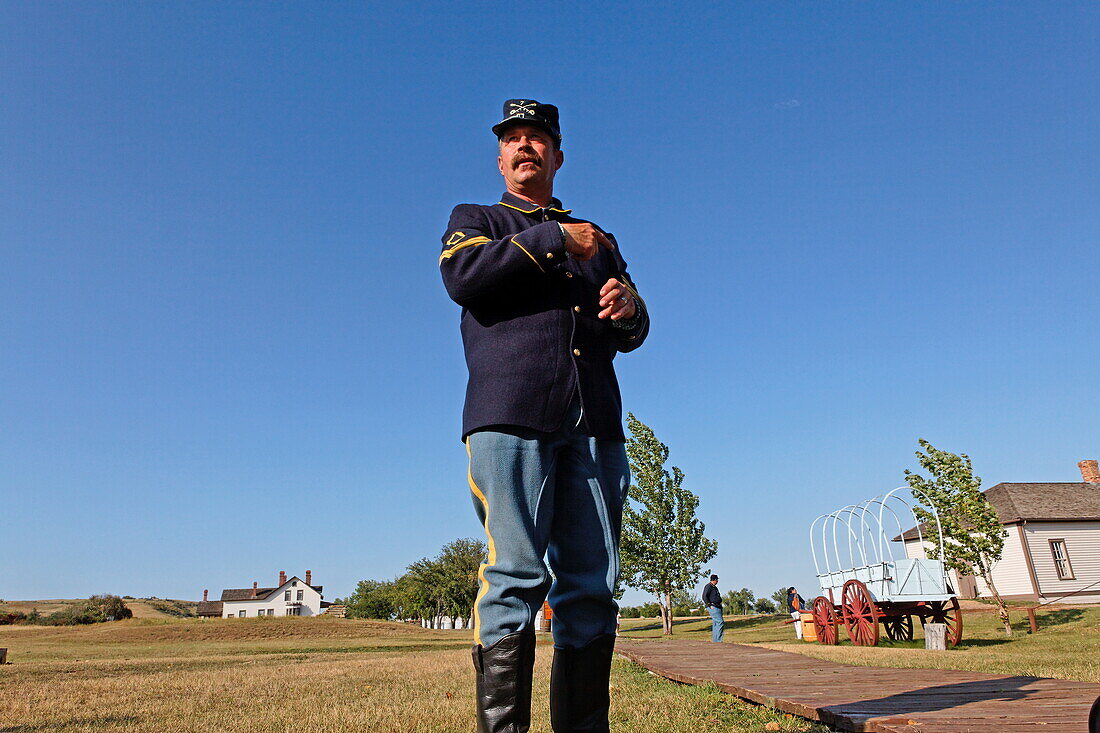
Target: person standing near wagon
(795,605)
(546,306)
(712,598)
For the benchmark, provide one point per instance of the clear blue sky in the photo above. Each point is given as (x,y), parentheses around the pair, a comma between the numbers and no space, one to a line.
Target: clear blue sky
(227,350)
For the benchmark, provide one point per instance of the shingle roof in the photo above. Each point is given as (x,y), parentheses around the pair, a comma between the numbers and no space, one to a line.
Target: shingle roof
(245,594)
(1040,503)
(210,608)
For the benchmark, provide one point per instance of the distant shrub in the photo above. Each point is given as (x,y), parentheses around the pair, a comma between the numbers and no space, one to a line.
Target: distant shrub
(96,609)
(630,612)
(7,619)
(179,609)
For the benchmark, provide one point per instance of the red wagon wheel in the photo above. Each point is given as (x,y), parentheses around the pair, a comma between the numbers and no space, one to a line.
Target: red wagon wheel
(825,620)
(860,614)
(899,628)
(948,614)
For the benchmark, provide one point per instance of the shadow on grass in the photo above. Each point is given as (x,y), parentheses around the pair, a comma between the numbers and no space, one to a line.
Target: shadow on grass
(1059,617)
(74,724)
(966,643)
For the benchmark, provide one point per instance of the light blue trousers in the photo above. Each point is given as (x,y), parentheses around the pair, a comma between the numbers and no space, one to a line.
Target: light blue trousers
(555,495)
(717,624)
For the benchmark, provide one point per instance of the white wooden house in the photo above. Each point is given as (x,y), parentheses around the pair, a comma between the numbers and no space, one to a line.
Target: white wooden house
(291,597)
(1052,551)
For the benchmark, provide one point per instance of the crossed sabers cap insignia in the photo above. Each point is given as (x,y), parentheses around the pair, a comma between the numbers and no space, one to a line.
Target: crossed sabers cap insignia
(522,108)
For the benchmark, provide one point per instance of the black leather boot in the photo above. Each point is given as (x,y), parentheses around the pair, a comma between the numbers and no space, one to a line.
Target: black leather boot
(504,683)
(579,680)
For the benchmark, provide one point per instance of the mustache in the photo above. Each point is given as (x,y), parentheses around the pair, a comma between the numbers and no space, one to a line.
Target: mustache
(521,158)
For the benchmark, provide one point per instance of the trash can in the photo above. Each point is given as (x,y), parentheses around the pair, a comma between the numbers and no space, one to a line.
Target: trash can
(809,631)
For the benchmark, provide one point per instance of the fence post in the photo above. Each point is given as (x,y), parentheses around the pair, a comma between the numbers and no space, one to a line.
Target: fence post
(3,655)
(935,637)
(1031,620)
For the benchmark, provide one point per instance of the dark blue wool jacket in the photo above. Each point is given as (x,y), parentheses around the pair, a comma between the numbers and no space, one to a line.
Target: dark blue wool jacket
(529,319)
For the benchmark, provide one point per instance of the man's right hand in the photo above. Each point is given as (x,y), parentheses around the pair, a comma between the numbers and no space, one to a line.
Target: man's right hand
(584,240)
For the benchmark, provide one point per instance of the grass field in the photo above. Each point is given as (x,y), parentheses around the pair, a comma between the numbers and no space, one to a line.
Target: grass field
(292,674)
(1066,647)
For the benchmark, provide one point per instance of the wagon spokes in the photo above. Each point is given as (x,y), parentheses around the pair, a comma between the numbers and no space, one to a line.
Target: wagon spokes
(899,627)
(825,620)
(949,614)
(860,614)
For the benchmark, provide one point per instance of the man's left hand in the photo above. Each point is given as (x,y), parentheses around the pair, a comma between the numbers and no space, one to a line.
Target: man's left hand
(616,301)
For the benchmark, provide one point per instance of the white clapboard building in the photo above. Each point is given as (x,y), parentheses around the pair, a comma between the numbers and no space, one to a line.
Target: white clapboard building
(291,597)
(1052,551)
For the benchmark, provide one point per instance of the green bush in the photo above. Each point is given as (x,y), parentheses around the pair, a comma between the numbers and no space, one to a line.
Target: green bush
(96,609)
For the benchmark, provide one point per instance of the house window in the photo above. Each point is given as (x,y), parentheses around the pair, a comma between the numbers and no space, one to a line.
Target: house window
(240,614)
(1061,559)
(271,612)
(299,595)
(294,583)
(286,596)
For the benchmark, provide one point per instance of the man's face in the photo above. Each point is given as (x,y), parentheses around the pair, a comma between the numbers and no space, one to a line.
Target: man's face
(528,158)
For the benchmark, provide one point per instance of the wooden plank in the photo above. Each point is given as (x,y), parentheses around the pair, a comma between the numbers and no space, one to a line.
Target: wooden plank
(873,699)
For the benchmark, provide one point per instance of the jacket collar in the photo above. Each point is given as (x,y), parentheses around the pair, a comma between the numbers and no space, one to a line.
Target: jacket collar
(515,202)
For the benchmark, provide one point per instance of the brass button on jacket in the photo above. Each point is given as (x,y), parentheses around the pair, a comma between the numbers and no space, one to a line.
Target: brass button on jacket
(576,352)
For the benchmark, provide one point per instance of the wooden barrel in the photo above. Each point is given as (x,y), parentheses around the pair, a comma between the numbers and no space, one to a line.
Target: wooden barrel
(547,616)
(809,631)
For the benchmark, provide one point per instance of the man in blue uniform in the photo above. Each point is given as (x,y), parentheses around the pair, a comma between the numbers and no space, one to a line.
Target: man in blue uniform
(546,305)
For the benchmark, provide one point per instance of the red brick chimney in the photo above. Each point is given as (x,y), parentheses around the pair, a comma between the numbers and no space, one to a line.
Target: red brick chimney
(1090,471)
(282,577)
(206,595)
(254,586)
(309,577)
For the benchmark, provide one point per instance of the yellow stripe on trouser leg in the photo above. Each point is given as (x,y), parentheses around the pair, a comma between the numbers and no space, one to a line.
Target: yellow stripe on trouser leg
(484,584)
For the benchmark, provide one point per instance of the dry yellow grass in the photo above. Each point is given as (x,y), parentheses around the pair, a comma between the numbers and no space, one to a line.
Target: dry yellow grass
(298,674)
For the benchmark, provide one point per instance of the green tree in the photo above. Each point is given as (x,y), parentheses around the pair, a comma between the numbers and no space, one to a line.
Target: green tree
(764,605)
(685,603)
(739,601)
(424,581)
(460,561)
(663,547)
(973,534)
(443,586)
(780,598)
(371,599)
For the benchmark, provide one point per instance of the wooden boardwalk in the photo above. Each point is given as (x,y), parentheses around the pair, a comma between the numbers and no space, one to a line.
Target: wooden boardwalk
(873,699)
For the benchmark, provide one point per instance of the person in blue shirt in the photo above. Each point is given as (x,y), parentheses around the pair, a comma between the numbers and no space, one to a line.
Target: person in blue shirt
(547,304)
(713,600)
(795,606)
